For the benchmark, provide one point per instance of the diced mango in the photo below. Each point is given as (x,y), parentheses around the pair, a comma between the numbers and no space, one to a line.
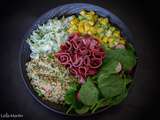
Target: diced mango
(110,40)
(81,27)
(105,39)
(116,33)
(92,13)
(122,41)
(74,21)
(83,12)
(86,27)
(92,30)
(99,27)
(89,17)
(103,21)
(99,30)
(91,22)
(112,29)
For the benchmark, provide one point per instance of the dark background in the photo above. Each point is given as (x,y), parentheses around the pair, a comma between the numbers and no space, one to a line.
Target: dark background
(142,19)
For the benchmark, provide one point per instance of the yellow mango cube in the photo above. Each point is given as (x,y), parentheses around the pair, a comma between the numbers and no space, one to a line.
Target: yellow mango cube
(83,12)
(122,41)
(104,21)
(99,30)
(86,26)
(105,39)
(81,27)
(92,30)
(110,40)
(91,22)
(74,21)
(92,13)
(116,33)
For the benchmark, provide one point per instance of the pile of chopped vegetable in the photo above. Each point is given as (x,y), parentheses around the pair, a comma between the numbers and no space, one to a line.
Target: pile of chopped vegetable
(48,37)
(81,62)
(99,27)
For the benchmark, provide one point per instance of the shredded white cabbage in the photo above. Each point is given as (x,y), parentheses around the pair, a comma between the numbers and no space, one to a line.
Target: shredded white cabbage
(48,37)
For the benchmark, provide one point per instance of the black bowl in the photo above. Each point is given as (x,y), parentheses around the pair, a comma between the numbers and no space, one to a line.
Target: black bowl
(64,10)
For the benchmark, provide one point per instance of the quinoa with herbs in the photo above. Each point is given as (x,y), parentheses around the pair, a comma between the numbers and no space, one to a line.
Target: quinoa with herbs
(48,78)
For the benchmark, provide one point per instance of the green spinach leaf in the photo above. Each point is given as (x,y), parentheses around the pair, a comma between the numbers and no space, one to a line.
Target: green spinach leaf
(89,93)
(110,86)
(117,99)
(82,110)
(109,68)
(101,103)
(125,57)
(131,48)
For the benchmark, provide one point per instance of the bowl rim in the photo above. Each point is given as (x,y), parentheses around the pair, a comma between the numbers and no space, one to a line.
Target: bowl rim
(34,26)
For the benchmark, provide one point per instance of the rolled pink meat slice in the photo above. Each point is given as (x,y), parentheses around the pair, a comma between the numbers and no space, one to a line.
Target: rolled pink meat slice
(64,58)
(82,55)
(95,63)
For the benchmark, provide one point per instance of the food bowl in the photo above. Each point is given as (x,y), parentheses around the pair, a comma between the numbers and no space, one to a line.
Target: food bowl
(64,10)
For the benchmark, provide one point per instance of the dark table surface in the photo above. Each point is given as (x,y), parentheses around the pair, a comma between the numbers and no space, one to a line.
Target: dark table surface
(17,17)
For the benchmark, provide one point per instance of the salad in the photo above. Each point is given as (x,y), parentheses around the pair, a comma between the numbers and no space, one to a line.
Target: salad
(81,62)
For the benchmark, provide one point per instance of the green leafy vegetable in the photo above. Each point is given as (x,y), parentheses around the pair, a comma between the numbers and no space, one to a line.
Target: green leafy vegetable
(69,109)
(130,48)
(101,103)
(126,58)
(110,86)
(110,101)
(82,110)
(50,57)
(39,92)
(109,68)
(89,93)
(70,96)
(118,99)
